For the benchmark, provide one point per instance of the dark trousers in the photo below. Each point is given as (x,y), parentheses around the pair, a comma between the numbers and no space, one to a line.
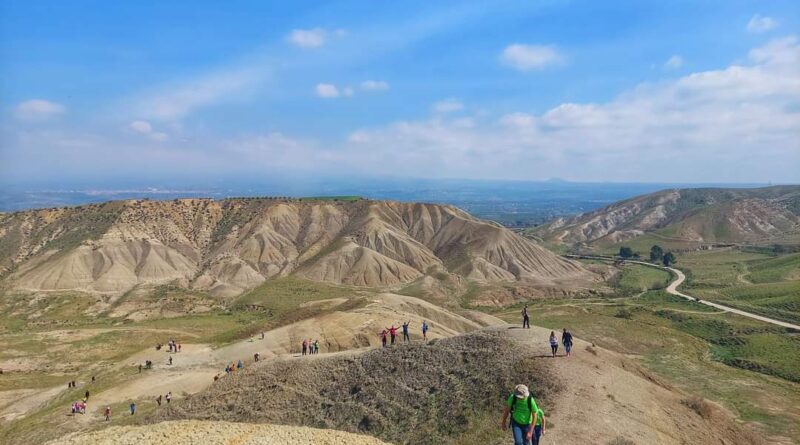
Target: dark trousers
(526,322)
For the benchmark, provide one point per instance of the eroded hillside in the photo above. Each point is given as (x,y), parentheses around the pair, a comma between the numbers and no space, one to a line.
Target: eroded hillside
(229,246)
(763,215)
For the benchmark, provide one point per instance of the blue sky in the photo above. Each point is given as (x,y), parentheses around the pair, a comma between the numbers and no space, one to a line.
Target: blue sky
(676,91)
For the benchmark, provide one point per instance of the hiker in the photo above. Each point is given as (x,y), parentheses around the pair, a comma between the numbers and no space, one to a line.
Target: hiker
(256,356)
(305,346)
(523,412)
(239,365)
(170,359)
(93,379)
(526,320)
(425,330)
(540,427)
(383,337)
(133,408)
(316,346)
(262,335)
(158,400)
(393,333)
(140,368)
(566,339)
(86,395)
(406,338)
(553,343)
(168,397)
(108,413)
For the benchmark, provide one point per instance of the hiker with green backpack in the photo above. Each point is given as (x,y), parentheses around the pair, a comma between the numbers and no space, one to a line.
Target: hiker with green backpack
(523,411)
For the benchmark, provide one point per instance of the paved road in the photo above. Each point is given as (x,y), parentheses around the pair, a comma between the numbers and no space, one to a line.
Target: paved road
(680,278)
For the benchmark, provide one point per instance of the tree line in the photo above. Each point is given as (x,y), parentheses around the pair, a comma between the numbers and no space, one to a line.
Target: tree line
(657,255)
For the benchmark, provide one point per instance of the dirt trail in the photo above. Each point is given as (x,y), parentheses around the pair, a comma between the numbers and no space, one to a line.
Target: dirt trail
(190,432)
(680,278)
(193,369)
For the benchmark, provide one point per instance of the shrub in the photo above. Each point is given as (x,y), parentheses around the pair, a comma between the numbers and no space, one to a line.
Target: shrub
(700,406)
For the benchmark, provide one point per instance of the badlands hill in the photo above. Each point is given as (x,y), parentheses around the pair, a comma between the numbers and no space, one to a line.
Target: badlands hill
(704,215)
(228,246)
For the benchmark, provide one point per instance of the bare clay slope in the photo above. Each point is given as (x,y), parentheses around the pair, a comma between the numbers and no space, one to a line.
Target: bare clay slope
(760,215)
(232,245)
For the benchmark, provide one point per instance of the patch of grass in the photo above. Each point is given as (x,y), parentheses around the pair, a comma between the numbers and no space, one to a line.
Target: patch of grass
(635,278)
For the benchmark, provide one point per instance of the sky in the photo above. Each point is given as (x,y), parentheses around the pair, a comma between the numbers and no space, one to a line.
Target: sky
(673,91)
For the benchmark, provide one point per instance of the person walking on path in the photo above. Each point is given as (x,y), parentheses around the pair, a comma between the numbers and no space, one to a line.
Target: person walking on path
(256,356)
(526,320)
(158,400)
(553,343)
(406,337)
(540,427)
(425,330)
(168,397)
(523,409)
(316,346)
(383,337)
(393,333)
(305,346)
(170,359)
(133,408)
(566,339)
(108,414)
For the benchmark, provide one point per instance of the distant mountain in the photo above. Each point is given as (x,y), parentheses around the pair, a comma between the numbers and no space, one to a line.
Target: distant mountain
(232,245)
(702,215)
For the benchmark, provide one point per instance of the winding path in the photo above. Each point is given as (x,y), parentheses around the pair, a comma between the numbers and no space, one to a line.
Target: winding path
(680,278)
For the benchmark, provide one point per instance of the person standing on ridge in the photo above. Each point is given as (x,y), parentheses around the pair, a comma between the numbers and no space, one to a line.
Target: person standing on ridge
(523,409)
(316,346)
(169,397)
(383,337)
(553,343)
(406,337)
(108,413)
(425,330)
(305,346)
(393,333)
(133,408)
(566,340)
(526,320)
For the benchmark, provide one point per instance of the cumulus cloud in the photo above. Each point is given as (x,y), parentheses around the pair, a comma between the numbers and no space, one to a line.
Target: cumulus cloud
(674,62)
(759,24)
(313,38)
(530,57)
(447,106)
(374,85)
(145,128)
(740,122)
(327,91)
(37,109)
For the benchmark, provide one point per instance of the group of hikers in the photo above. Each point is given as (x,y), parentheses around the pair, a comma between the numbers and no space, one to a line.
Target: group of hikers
(233,367)
(132,406)
(524,416)
(172,345)
(566,335)
(391,332)
(310,347)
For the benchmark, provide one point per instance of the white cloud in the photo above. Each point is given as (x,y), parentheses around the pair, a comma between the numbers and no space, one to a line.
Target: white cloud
(530,57)
(178,99)
(739,123)
(374,85)
(447,106)
(674,62)
(143,127)
(327,91)
(759,24)
(348,91)
(309,38)
(37,109)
